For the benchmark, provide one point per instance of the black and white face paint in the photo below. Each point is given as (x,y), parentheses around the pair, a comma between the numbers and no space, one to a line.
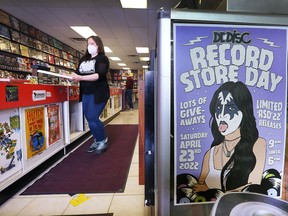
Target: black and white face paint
(227,114)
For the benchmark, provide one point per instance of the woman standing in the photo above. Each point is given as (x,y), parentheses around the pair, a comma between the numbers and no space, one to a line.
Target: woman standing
(94,90)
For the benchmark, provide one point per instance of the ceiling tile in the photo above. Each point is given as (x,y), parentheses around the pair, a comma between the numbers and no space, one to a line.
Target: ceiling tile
(136,17)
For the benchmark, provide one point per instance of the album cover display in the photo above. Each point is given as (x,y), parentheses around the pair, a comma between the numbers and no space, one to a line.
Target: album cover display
(31,31)
(23,27)
(15,48)
(24,39)
(14,23)
(4,18)
(4,32)
(5,45)
(24,50)
(15,36)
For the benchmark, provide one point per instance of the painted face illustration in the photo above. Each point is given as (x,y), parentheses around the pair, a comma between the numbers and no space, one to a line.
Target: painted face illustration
(227,114)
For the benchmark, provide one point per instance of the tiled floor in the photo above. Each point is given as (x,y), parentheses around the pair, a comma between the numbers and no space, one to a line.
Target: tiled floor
(129,203)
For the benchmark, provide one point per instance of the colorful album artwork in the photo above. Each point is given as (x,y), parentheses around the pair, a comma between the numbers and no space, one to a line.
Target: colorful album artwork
(230,88)
(24,50)
(12,93)
(10,145)
(35,131)
(15,48)
(54,133)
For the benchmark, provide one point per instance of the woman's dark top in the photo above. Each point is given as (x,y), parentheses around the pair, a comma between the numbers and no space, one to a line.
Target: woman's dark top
(100,87)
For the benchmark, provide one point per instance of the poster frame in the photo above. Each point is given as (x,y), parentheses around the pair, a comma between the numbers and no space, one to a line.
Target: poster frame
(164,205)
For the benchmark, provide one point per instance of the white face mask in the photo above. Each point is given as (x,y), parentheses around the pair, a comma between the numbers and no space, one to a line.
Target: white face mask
(92,49)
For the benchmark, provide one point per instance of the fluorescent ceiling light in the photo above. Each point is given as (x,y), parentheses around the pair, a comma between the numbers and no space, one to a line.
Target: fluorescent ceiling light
(126,68)
(134,3)
(107,49)
(122,64)
(145,66)
(144,58)
(142,49)
(115,58)
(84,31)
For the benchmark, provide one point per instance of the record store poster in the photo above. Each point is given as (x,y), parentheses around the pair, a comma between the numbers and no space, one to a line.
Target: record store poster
(35,131)
(54,133)
(10,144)
(229,110)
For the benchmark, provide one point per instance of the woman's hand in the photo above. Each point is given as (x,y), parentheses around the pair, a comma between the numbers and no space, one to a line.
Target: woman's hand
(75,77)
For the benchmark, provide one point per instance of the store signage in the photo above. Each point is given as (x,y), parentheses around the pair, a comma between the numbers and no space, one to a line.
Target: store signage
(230,90)
(38,95)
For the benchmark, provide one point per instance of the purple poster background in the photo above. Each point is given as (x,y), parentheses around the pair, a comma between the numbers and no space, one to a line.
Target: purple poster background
(207,56)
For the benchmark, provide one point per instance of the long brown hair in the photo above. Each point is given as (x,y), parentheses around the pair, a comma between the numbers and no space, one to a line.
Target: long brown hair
(100,45)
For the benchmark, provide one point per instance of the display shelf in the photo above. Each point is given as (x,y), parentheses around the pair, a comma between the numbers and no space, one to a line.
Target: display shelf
(114,104)
(21,45)
(119,78)
(73,115)
(27,102)
(20,95)
(75,135)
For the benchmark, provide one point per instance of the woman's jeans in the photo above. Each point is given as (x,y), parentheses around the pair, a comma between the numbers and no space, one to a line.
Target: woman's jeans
(92,113)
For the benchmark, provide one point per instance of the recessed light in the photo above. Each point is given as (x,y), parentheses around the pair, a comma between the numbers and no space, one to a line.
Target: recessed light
(134,3)
(107,49)
(144,58)
(142,49)
(115,58)
(121,64)
(84,31)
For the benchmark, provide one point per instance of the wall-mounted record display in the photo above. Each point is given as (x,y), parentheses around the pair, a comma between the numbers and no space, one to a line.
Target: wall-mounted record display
(15,48)
(4,32)
(23,27)
(24,39)
(31,31)
(5,45)
(34,44)
(4,18)
(15,36)
(24,50)
(14,23)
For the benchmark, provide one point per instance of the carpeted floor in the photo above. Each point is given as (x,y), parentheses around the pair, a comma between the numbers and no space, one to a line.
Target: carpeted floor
(83,172)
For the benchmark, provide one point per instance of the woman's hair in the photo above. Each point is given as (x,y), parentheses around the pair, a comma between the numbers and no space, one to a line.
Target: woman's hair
(236,171)
(100,45)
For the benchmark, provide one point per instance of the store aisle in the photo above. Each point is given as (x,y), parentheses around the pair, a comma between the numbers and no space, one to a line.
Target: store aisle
(129,203)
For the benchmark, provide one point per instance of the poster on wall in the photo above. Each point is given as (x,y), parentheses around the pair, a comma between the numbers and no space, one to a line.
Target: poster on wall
(230,90)
(54,132)
(10,145)
(35,131)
